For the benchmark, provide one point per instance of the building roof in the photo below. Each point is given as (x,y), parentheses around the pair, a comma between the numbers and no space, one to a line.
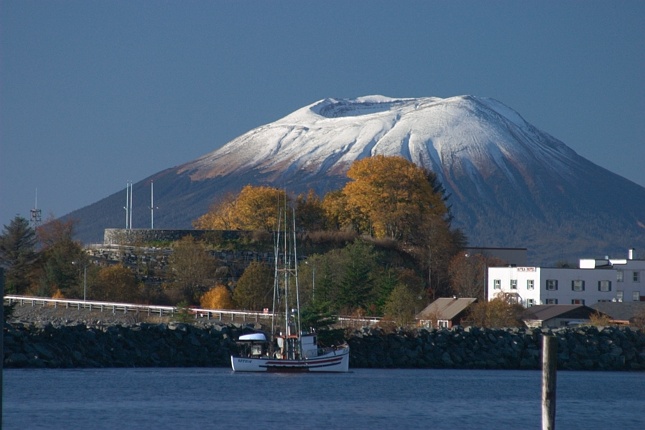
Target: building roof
(547,312)
(445,308)
(621,311)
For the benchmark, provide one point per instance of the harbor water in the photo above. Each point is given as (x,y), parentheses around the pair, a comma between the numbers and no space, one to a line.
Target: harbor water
(171,398)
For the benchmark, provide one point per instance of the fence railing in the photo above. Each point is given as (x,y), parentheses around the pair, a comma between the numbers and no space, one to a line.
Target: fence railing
(214,314)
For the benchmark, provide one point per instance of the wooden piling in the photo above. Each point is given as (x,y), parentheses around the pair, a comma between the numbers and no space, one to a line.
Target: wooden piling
(549,371)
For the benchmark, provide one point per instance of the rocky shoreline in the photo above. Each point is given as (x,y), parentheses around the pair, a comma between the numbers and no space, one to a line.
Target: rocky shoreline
(41,338)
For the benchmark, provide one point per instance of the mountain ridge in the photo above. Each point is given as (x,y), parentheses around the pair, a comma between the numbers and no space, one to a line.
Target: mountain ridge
(509,181)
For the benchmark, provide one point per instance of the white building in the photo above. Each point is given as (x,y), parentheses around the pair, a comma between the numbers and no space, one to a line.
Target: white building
(605,280)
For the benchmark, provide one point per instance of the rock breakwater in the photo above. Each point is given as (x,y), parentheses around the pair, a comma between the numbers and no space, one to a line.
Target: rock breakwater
(173,344)
(581,348)
(141,345)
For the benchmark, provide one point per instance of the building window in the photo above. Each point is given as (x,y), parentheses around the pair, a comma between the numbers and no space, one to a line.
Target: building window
(551,301)
(513,284)
(637,277)
(551,284)
(620,276)
(577,302)
(530,284)
(619,296)
(604,286)
(577,285)
(497,284)
(442,323)
(530,302)
(636,296)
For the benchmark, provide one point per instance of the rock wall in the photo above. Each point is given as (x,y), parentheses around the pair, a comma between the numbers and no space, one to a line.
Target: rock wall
(120,236)
(582,348)
(183,345)
(142,345)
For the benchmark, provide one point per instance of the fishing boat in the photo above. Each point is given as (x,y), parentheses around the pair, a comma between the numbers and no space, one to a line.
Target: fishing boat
(288,348)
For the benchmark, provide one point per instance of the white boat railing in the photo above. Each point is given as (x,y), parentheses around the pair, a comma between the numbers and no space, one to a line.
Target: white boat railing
(217,314)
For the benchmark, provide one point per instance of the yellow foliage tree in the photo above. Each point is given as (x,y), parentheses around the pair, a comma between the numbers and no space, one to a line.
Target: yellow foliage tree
(496,313)
(254,208)
(391,196)
(334,205)
(218,297)
(220,215)
(114,283)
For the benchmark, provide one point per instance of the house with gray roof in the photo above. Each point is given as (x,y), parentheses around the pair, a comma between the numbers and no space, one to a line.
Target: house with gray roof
(621,313)
(554,316)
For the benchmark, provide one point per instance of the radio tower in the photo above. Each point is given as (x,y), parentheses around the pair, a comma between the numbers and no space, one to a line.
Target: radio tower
(152,205)
(36,214)
(128,205)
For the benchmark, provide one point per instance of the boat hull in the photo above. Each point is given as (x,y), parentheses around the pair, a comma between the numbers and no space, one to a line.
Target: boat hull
(336,361)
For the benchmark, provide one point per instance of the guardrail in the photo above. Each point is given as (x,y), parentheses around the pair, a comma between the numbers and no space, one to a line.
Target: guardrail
(216,314)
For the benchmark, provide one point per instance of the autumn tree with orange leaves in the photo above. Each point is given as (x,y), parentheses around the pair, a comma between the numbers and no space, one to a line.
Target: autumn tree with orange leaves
(390,197)
(254,208)
(218,297)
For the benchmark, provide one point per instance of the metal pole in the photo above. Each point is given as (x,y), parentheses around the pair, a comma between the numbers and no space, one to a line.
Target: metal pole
(84,282)
(549,372)
(1,344)
(152,205)
(127,205)
(313,285)
(131,192)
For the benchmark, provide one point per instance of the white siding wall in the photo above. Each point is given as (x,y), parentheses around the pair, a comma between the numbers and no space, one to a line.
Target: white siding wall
(626,277)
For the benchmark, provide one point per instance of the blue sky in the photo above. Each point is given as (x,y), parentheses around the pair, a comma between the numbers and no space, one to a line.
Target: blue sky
(96,93)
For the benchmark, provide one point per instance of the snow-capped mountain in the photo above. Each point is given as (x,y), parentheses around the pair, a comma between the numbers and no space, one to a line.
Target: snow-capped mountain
(511,185)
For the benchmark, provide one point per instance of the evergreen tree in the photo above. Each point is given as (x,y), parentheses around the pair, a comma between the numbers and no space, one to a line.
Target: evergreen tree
(355,286)
(18,255)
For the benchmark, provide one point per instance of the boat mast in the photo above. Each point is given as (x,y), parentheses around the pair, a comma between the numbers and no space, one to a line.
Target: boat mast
(276,280)
(295,271)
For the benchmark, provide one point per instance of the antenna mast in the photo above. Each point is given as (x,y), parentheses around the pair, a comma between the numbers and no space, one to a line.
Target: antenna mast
(152,205)
(128,205)
(131,192)
(36,214)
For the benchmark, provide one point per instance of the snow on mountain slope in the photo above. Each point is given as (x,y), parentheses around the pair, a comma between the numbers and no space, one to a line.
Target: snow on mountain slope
(458,136)
(510,184)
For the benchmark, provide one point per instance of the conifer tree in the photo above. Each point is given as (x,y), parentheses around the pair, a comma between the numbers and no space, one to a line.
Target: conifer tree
(18,255)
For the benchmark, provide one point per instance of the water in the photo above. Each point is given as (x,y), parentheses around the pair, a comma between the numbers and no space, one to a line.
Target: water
(363,399)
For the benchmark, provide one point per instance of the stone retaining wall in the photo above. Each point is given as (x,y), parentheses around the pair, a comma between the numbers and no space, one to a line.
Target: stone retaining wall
(135,236)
